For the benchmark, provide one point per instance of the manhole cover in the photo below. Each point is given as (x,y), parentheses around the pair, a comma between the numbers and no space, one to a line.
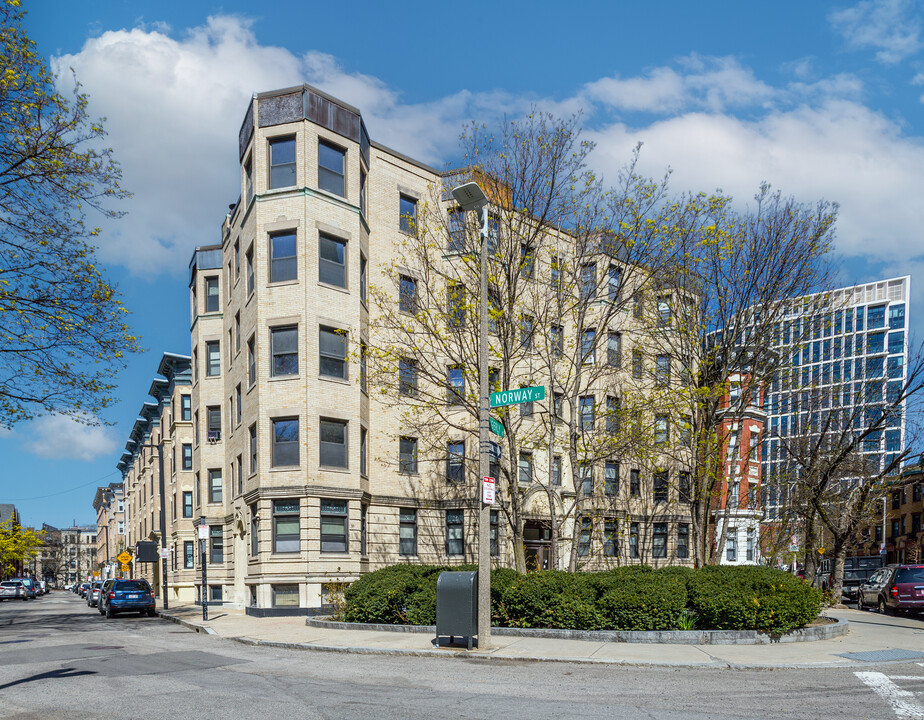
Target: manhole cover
(883,655)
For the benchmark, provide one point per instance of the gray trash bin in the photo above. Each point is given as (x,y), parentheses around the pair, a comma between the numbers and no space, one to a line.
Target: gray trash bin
(457,606)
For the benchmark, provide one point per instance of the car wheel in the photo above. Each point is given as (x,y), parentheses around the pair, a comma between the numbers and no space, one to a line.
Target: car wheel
(152,612)
(883,608)
(109,613)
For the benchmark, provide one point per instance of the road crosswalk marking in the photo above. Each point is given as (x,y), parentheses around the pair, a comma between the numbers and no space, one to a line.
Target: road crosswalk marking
(903,702)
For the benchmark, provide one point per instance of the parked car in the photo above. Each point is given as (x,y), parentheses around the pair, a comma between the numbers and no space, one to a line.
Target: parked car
(83,589)
(894,589)
(44,585)
(93,594)
(104,594)
(12,590)
(30,586)
(129,596)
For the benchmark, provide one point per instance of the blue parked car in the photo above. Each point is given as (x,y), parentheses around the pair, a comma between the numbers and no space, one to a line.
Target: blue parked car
(124,595)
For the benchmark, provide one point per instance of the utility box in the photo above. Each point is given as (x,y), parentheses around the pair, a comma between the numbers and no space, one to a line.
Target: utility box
(457,606)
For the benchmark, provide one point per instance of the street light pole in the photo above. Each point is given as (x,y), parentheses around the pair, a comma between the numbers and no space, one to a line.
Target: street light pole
(471,197)
(106,526)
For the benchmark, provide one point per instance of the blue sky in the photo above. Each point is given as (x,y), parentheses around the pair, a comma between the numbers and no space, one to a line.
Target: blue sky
(823,100)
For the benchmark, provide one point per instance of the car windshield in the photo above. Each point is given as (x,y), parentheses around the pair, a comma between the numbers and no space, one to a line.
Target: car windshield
(857,575)
(133,585)
(910,575)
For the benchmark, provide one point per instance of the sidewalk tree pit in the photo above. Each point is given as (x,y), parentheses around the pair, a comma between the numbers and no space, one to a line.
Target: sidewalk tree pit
(635,597)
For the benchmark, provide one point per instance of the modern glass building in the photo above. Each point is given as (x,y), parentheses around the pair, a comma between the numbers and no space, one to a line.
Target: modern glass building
(846,348)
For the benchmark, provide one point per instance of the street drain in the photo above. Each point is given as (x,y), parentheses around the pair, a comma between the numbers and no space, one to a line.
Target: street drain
(103,647)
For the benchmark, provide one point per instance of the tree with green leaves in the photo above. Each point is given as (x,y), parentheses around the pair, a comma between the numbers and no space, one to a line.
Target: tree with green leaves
(63,329)
(18,545)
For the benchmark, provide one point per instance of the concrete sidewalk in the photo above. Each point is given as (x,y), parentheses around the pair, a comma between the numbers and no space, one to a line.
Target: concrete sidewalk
(887,638)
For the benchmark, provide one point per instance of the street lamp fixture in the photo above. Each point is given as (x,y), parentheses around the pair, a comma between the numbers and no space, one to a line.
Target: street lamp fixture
(470,196)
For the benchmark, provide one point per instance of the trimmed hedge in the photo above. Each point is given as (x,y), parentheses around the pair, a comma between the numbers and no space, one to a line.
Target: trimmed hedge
(628,598)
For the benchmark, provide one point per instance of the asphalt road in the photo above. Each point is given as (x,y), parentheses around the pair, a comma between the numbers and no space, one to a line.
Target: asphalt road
(60,659)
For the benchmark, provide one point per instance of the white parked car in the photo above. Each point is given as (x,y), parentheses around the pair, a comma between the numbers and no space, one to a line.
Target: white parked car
(12,590)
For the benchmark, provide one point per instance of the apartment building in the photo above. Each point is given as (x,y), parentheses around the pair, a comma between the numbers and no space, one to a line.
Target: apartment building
(110,528)
(78,546)
(849,348)
(302,475)
(738,512)
(895,527)
(161,440)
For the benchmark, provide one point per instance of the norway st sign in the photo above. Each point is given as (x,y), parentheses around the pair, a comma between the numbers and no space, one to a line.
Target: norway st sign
(515,397)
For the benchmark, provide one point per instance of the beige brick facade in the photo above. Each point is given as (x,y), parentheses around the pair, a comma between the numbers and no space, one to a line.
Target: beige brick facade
(289,523)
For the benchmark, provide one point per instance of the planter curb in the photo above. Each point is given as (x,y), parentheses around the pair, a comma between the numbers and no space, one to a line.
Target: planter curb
(664,637)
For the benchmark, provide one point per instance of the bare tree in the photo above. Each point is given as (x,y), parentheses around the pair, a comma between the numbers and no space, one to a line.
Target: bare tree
(550,218)
(742,268)
(834,460)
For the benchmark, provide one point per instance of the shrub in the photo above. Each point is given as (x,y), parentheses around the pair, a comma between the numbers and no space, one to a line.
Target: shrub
(627,598)
(550,599)
(752,598)
(395,595)
(653,601)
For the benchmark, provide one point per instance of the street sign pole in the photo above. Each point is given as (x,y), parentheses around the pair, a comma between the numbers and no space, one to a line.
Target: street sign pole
(484,460)
(471,197)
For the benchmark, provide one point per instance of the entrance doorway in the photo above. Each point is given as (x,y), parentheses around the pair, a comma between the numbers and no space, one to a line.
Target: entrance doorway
(537,545)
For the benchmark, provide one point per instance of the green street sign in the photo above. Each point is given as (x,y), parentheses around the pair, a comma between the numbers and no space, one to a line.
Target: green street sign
(496,427)
(515,397)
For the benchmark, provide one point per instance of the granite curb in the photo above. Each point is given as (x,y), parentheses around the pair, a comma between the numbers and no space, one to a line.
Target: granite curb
(462,653)
(186,623)
(838,628)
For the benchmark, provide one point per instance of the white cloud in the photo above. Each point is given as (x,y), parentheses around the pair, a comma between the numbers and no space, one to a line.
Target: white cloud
(63,437)
(174,107)
(838,151)
(891,26)
(713,84)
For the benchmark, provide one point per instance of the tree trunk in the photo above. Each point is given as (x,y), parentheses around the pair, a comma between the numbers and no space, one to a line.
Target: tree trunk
(837,572)
(811,558)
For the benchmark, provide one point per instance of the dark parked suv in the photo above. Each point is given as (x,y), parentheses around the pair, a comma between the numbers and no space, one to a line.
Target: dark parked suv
(893,589)
(124,595)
